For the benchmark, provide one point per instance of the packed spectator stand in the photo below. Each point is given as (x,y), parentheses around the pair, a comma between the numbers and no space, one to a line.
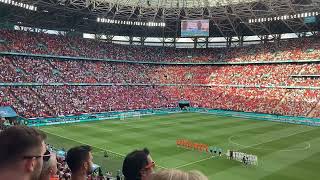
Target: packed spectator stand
(263,88)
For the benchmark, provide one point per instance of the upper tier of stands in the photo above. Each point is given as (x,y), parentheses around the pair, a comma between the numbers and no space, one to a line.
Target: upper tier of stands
(39,43)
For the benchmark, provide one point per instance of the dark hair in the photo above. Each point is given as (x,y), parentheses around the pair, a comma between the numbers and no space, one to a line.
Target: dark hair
(134,162)
(15,141)
(76,156)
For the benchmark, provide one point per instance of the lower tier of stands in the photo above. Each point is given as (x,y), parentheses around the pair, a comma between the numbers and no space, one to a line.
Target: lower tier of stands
(48,101)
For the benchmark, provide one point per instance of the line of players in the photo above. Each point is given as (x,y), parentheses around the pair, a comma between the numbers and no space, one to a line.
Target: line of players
(184,143)
(246,159)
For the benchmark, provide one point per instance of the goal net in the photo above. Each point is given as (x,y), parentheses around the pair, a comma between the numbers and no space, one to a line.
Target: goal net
(126,115)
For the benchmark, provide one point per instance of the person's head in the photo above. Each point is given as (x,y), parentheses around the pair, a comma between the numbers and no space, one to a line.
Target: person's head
(138,165)
(50,167)
(22,152)
(79,160)
(174,174)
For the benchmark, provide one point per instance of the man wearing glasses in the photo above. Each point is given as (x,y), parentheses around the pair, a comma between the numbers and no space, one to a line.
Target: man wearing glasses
(22,151)
(138,165)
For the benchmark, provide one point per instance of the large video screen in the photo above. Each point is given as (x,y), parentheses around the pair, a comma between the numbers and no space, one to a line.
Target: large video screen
(311,19)
(194,28)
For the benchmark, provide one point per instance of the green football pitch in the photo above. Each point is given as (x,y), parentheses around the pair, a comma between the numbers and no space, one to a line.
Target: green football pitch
(285,151)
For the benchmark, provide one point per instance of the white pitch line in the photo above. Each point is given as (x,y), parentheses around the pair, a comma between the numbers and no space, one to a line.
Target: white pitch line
(169,123)
(121,155)
(84,143)
(89,126)
(195,162)
(251,146)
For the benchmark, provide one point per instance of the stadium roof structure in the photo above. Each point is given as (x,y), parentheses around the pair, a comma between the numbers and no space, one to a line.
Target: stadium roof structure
(228,18)
(176,3)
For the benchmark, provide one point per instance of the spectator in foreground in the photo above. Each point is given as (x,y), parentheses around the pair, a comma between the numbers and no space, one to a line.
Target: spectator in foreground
(49,168)
(79,160)
(174,174)
(138,165)
(22,150)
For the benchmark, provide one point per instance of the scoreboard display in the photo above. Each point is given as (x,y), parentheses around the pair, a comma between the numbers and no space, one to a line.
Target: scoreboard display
(309,20)
(195,28)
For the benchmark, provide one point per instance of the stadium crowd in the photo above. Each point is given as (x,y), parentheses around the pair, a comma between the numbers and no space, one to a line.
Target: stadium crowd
(204,86)
(31,70)
(54,101)
(145,86)
(40,43)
